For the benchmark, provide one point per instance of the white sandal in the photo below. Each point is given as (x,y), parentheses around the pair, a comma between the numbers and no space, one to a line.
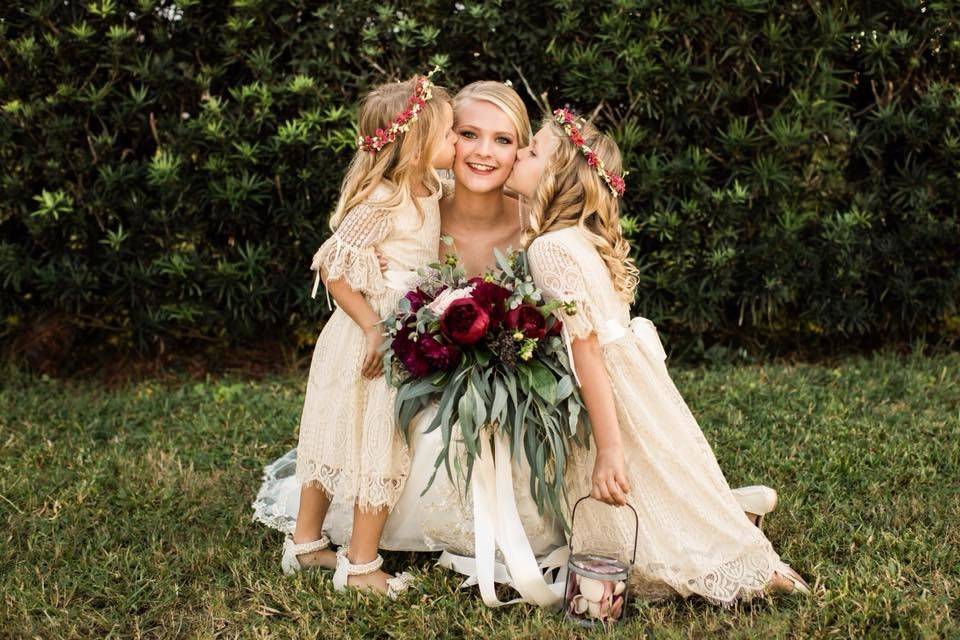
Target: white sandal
(290,563)
(395,585)
(757,500)
(800,586)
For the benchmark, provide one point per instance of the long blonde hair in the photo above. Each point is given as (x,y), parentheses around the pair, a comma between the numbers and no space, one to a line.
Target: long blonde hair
(402,163)
(571,193)
(502,96)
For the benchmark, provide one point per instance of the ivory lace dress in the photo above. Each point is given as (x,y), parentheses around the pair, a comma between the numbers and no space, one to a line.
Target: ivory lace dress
(348,442)
(693,536)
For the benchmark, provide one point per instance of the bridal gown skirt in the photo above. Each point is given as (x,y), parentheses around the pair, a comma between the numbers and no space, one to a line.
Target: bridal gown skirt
(440,520)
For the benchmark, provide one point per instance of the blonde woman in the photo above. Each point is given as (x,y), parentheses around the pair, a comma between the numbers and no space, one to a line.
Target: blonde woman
(648,448)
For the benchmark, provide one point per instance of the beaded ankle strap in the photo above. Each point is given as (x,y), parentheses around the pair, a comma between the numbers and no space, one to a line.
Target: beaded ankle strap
(359,569)
(306,547)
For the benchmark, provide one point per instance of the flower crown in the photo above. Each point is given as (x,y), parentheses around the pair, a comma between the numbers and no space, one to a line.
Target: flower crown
(401,122)
(566,119)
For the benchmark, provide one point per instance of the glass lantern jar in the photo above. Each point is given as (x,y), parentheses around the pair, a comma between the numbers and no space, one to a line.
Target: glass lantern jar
(596,588)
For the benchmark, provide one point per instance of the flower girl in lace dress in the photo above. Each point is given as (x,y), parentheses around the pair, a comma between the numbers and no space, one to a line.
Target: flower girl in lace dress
(349,445)
(648,449)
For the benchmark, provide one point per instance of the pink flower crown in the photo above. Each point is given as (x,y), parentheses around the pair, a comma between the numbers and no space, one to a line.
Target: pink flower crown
(567,120)
(401,122)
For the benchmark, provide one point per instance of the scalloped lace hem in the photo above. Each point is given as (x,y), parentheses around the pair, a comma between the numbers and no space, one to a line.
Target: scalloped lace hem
(734,581)
(369,492)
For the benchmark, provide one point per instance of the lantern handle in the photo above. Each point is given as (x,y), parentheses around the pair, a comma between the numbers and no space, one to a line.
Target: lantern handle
(636,530)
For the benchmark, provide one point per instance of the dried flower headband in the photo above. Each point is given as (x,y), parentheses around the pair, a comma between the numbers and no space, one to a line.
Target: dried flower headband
(566,119)
(401,122)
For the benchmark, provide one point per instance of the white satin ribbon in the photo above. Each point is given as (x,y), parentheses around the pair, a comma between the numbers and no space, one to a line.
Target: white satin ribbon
(611,330)
(400,279)
(496,522)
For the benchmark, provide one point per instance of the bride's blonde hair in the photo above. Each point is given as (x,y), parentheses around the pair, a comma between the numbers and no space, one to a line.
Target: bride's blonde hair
(502,96)
(402,163)
(572,193)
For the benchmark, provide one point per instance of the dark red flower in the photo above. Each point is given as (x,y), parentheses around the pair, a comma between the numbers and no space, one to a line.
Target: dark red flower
(464,322)
(592,160)
(410,354)
(555,328)
(441,356)
(576,138)
(491,297)
(417,299)
(527,320)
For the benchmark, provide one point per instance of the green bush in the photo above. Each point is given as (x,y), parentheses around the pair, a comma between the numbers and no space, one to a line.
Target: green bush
(168,168)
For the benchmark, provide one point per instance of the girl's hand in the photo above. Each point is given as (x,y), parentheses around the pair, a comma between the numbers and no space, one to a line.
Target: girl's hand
(609,478)
(372,360)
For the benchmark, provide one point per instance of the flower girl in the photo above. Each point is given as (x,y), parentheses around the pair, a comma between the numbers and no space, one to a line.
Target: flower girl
(648,449)
(349,445)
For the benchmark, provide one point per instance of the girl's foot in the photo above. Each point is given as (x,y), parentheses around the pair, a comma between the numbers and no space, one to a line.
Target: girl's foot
(376,581)
(787,581)
(309,554)
(368,576)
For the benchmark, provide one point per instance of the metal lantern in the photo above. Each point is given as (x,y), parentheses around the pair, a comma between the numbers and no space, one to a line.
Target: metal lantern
(596,589)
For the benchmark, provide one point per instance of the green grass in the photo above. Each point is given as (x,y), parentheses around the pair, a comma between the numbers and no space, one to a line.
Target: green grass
(127,513)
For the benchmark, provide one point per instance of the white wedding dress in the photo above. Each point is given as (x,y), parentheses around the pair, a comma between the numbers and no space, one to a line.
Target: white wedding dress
(440,520)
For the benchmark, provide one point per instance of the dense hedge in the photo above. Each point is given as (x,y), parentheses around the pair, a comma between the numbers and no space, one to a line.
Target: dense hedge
(168,168)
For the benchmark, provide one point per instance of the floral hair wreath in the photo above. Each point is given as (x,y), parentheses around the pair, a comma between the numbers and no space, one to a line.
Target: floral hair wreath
(401,122)
(567,120)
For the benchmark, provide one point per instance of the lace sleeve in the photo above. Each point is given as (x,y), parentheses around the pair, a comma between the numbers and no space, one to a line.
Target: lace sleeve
(350,252)
(559,276)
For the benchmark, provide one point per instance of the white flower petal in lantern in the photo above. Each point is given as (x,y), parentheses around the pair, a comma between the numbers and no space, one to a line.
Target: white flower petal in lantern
(617,609)
(593,609)
(619,588)
(591,589)
(580,604)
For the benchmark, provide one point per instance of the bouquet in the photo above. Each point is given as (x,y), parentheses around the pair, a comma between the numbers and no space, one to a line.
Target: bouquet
(489,351)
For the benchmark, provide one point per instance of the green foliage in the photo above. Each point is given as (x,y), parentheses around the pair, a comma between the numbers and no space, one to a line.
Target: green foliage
(168,169)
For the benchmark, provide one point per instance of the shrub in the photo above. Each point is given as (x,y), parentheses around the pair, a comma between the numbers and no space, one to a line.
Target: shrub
(168,168)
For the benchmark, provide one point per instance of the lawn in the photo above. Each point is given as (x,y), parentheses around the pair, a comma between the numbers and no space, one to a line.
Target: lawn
(127,513)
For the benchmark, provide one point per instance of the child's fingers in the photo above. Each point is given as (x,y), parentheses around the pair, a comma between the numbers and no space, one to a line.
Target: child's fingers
(604,492)
(623,482)
(595,493)
(369,366)
(615,494)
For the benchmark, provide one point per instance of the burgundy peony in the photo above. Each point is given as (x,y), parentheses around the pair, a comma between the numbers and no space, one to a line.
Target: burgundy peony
(410,354)
(491,297)
(442,357)
(528,320)
(417,299)
(465,322)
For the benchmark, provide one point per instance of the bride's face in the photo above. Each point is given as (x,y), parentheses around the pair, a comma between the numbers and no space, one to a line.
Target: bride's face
(486,146)
(531,162)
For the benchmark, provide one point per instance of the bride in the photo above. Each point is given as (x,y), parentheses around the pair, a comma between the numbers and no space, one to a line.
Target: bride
(477,217)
